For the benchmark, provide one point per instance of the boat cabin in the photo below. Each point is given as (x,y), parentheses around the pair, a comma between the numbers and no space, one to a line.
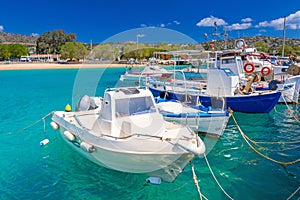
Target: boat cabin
(234,63)
(126,111)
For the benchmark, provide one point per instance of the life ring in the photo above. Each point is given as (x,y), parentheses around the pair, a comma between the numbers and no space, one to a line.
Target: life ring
(249,70)
(267,72)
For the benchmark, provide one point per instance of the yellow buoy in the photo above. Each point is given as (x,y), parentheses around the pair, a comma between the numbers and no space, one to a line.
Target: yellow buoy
(68,108)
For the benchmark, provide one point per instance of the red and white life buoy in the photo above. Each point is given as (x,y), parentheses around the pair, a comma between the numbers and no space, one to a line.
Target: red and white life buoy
(265,71)
(249,69)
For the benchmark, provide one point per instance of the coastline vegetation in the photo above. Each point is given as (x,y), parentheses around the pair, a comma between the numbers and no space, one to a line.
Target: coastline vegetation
(12,51)
(59,42)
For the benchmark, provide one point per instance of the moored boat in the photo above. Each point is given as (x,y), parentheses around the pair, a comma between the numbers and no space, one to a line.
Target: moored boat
(136,73)
(222,83)
(125,132)
(199,118)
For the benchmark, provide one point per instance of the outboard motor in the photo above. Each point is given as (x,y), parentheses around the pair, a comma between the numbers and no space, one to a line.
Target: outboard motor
(86,103)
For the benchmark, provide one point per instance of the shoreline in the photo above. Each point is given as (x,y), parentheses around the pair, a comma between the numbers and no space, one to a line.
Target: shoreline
(33,66)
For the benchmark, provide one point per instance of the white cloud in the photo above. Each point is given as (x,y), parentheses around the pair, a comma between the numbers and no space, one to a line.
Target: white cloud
(162,25)
(35,34)
(176,22)
(262,30)
(292,22)
(246,20)
(277,24)
(1,28)
(210,21)
(238,26)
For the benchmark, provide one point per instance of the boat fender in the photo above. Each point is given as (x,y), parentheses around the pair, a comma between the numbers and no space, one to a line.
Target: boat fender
(69,136)
(265,71)
(44,142)
(68,108)
(54,125)
(249,70)
(87,147)
(154,180)
(218,103)
(273,84)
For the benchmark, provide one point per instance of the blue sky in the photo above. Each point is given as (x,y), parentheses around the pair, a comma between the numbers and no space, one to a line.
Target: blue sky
(103,20)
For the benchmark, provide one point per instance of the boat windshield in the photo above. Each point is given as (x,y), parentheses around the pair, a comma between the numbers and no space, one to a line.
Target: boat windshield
(134,106)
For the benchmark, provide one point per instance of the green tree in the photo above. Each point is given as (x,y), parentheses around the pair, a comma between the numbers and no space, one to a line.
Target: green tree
(17,50)
(51,42)
(261,46)
(297,50)
(287,50)
(105,51)
(4,52)
(73,51)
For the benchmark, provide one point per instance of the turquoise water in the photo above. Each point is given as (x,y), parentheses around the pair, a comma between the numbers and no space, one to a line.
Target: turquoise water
(54,171)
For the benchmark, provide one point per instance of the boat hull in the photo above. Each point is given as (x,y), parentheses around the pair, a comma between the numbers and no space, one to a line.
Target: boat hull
(262,102)
(214,125)
(132,154)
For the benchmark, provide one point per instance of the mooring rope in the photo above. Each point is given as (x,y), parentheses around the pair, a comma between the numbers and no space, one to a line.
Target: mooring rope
(258,152)
(32,124)
(293,194)
(196,183)
(212,173)
(291,111)
(272,142)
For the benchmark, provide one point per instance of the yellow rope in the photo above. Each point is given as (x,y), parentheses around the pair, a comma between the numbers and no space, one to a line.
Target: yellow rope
(212,173)
(291,111)
(32,124)
(256,143)
(197,184)
(258,152)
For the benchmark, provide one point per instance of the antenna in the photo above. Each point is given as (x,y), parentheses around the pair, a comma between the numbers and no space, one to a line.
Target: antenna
(283,42)
(225,34)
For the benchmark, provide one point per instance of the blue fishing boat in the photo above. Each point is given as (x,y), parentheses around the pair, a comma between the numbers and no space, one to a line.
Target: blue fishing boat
(221,84)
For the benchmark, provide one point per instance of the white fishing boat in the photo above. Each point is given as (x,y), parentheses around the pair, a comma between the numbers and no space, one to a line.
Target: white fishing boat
(201,119)
(126,132)
(284,78)
(136,73)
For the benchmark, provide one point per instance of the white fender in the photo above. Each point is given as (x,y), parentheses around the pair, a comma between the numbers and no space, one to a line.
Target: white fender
(69,136)
(54,125)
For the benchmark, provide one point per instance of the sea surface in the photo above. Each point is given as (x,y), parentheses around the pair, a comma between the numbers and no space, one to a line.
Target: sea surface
(55,171)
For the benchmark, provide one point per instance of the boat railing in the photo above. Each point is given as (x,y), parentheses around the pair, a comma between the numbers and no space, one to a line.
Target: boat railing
(120,88)
(133,135)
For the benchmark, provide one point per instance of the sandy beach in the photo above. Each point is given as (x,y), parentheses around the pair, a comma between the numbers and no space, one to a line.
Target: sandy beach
(28,66)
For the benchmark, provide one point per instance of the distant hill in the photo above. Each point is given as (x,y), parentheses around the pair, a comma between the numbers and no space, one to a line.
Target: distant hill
(273,42)
(8,38)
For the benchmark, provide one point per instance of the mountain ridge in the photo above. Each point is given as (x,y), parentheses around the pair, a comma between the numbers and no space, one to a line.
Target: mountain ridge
(272,42)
